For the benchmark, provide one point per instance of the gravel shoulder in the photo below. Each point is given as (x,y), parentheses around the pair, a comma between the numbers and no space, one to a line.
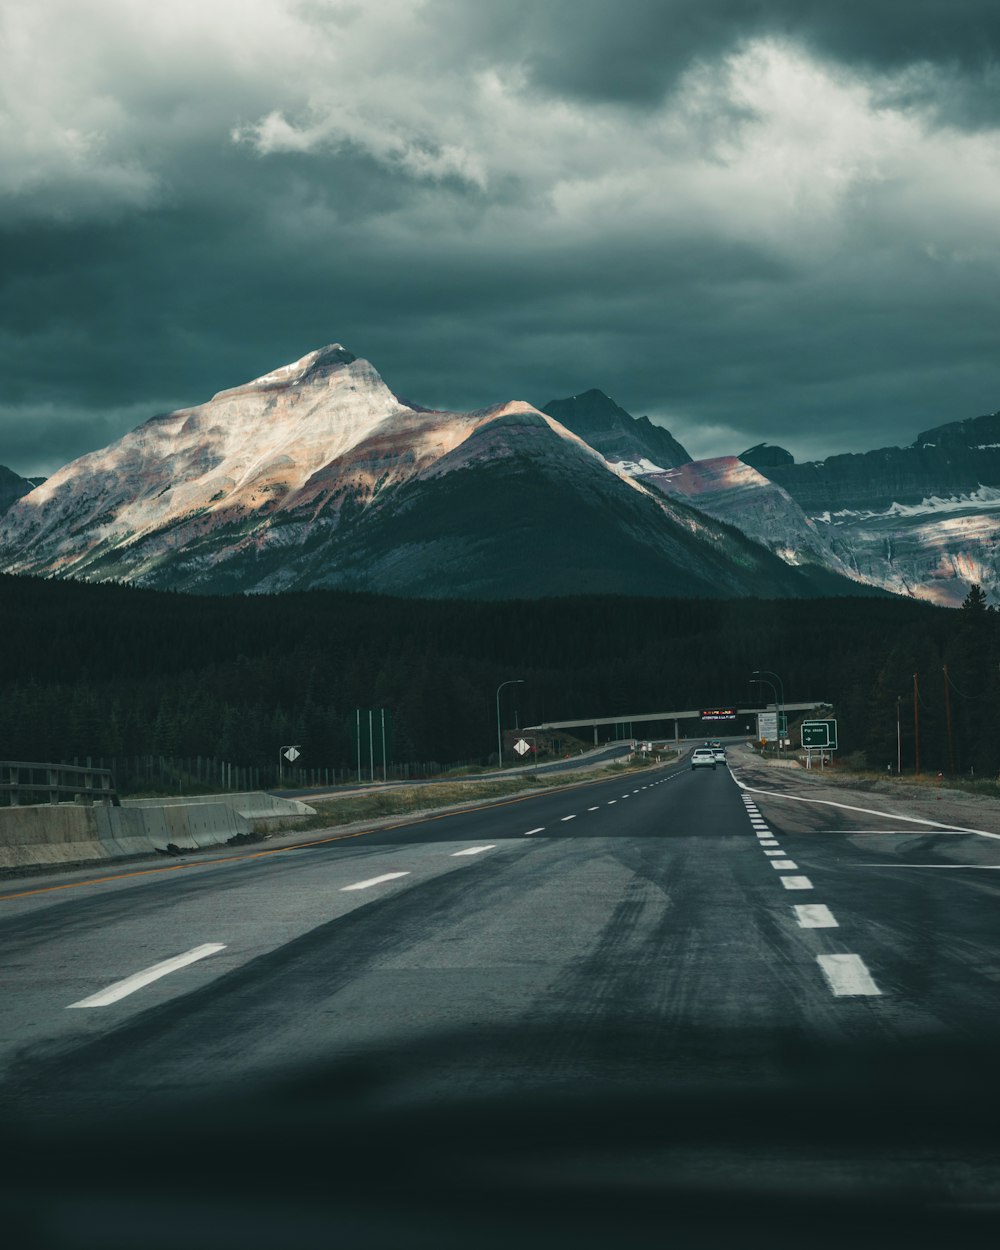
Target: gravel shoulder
(888,806)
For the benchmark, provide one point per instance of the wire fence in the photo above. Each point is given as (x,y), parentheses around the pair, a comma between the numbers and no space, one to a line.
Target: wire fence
(199,774)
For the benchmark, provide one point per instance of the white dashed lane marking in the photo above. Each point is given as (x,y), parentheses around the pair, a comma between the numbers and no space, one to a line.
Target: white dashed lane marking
(121,989)
(474,850)
(565,818)
(784,865)
(847,975)
(540,829)
(815,916)
(796,883)
(366,885)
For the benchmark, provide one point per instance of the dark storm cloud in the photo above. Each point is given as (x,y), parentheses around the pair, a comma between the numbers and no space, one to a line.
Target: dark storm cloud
(751,221)
(633,52)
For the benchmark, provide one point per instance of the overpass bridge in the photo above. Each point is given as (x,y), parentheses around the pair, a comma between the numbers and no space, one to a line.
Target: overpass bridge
(696,714)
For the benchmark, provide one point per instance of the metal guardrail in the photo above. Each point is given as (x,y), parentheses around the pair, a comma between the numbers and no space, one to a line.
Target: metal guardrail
(60,782)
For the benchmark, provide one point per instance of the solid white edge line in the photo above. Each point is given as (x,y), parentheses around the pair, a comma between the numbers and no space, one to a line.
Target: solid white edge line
(474,850)
(847,975)
(973,867)
(815,916)
(364,885)
(121,989)
(868,811)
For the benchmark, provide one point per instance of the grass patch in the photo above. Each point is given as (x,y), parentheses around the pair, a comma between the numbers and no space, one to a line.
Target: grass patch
(868,778)
(407,800)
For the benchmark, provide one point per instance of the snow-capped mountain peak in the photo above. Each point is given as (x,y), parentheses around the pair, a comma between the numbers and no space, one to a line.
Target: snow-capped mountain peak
(316,474)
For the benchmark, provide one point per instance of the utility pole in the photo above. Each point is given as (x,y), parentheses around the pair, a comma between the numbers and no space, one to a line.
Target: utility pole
(916,727)
(947,716)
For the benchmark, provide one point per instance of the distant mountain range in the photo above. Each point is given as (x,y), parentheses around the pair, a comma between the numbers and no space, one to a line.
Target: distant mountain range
(922,520)
(317,475)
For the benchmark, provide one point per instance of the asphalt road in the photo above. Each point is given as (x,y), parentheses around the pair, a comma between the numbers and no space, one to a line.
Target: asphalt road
(807,994)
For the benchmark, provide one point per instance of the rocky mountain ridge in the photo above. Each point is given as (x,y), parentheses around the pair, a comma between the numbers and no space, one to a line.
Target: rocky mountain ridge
(633,444)
(317,475)
(14,487)
(922,520)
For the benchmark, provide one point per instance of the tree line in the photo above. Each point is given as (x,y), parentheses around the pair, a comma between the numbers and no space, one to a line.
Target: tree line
(111,670)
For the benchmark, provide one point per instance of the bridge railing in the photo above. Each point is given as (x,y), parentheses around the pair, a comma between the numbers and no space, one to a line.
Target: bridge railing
(22,782)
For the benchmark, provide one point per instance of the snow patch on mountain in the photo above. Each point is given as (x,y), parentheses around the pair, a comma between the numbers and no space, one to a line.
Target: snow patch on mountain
(635,468)
(988,496)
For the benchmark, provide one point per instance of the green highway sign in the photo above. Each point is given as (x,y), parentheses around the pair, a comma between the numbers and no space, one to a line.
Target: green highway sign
(820,733)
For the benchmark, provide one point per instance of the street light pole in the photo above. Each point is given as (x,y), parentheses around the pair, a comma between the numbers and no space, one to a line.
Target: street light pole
(514,681)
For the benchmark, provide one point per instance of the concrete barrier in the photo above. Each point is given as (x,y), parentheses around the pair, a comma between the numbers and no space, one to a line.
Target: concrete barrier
(250,804)
(65,833)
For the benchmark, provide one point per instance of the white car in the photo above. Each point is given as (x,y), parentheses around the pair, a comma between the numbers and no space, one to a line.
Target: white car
(703,757)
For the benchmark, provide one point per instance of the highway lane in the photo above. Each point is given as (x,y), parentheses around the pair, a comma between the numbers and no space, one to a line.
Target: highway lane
(63,940)
(661,895)
(664,926)
(922,900)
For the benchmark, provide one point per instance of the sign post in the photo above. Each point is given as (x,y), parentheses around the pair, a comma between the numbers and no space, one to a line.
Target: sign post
(523,745)
(819,735)
(289,753)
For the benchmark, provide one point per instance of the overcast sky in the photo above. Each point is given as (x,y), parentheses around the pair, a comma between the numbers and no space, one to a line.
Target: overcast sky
(749,219)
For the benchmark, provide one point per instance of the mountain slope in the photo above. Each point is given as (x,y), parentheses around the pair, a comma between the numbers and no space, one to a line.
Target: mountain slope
(732,491)
(634,444)
(13,487)
(316,474)
(921,520)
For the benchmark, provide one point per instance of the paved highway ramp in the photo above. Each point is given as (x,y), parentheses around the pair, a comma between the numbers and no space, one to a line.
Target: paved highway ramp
(660,1010)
